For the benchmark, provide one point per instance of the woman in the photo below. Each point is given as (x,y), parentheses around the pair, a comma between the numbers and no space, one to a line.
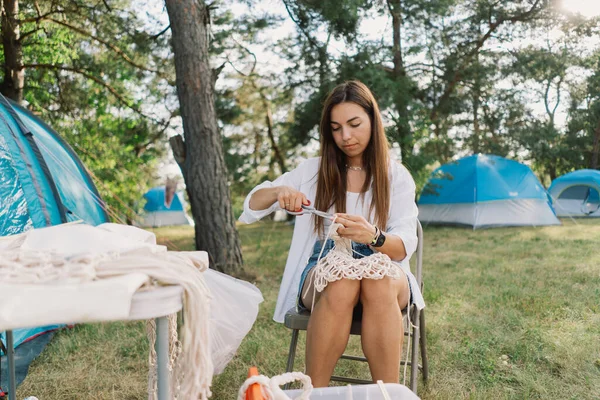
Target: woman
(374,201)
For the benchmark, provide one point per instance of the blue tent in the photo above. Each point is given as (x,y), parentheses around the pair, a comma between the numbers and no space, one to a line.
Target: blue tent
(162,210)
(485,191)
(577,194)
(42,182)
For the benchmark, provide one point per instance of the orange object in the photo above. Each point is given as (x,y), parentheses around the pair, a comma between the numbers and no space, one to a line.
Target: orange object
(254,392)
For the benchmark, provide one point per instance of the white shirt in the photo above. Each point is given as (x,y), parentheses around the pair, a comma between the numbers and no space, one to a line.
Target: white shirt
(355,205)
(402,222)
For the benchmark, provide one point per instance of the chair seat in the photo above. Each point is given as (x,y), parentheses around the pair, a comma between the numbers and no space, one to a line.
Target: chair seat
(298,320)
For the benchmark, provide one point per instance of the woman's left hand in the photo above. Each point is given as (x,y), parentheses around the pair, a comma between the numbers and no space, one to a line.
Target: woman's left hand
(355,228)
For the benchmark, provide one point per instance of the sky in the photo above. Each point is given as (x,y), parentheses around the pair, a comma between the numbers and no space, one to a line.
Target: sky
(587,8)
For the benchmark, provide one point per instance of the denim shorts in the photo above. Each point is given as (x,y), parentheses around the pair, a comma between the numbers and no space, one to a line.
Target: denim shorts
(360,250)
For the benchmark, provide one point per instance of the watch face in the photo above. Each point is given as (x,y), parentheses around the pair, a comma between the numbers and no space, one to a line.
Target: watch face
(380,240)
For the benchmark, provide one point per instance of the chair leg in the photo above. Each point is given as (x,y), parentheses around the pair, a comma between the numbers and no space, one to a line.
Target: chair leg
(291,355)
(423,345)
(10,356)
(414,359)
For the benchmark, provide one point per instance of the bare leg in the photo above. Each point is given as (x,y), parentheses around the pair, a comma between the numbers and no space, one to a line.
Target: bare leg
(329,329)
(382,331)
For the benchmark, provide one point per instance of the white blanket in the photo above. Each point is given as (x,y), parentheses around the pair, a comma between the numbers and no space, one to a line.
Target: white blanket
(30,305)
(80,273)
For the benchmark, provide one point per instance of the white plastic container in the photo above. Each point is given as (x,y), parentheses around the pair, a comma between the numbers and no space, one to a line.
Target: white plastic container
(358,392)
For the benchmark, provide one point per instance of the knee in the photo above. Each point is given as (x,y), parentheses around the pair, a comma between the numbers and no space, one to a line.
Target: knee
(378,291)
(341,296)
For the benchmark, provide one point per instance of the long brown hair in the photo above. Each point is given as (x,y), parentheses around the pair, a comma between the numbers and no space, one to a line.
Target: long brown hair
(332,183)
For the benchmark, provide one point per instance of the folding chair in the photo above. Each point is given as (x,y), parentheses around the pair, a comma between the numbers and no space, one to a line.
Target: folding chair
(298,321)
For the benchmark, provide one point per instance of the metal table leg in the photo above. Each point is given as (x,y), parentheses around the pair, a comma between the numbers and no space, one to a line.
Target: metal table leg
(162,357)
(10,353)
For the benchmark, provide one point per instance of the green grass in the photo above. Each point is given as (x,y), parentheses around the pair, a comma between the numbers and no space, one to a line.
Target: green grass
(529,294)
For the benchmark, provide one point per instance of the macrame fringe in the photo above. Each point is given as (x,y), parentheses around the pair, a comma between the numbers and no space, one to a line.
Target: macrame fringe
(337,265)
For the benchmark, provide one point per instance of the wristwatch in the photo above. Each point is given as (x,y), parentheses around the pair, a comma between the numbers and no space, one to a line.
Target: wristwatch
(379,238)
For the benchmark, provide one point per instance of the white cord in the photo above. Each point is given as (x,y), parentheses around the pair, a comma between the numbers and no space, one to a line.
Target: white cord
(271,389)
(386,395)
(262,380)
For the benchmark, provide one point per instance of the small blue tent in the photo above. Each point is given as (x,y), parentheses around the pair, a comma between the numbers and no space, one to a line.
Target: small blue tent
(42,182)
(485,191)
(164,210)
(577,194)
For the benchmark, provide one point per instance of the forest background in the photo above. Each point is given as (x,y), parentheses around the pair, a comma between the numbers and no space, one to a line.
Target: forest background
(519,79)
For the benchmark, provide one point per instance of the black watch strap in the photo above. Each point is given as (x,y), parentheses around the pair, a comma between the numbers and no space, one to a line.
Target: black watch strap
(380,240)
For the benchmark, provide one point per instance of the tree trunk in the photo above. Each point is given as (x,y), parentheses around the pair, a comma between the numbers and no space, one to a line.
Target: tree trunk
(274,146)
(476,128)
(596,147)
(395,9)
(204,167)
(269,121)
(257,147)
(14,74)
(476,99)
(552,172)
(402,96)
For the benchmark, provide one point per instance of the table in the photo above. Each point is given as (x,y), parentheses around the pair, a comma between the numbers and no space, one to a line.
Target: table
(158,303)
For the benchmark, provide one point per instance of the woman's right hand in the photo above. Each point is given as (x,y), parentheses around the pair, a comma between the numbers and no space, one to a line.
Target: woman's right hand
(290,199)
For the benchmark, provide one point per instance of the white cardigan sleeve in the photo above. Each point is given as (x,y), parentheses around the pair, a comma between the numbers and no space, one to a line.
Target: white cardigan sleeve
(403,209)
(292,178)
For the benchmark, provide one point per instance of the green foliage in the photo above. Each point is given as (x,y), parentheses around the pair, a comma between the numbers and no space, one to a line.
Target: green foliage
(464,76)
(341,18)
(459,80)
(92,71)
(122,171)
(549,69)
